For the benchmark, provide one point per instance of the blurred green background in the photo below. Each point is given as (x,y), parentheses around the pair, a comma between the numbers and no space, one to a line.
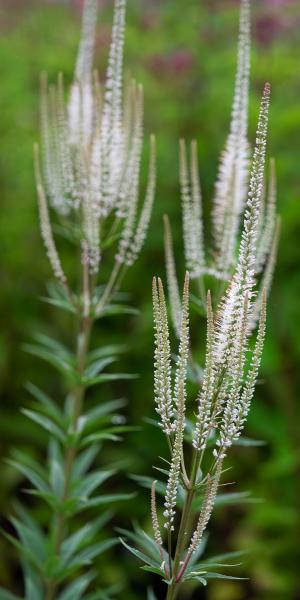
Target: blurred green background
(184,52)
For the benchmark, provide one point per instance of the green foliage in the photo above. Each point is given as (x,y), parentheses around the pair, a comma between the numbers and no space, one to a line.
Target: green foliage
(179,101)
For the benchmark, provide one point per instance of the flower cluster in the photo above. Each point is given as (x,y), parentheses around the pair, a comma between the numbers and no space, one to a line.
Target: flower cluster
(91,150)
(229,376)
(230,197)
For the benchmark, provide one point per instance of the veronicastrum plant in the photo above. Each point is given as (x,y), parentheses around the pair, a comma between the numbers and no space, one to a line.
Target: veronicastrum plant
(199,435)
(88,180)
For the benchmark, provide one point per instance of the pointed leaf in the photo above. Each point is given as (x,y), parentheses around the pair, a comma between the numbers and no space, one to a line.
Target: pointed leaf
(44,422)
(143,557)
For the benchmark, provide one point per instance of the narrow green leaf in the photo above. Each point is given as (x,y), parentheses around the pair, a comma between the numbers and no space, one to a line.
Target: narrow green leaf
(98,365)
(33,542)
(98,437)
(91,482)
(57,478)
(222,576)
(105,499)
(33,584)
(143,557)
(244,441)
(51,357)
(76,589)
(63,304)
(155,570)
(56,346)
(30,474)
(5,595)
(118,309)
(109,350)
(86,555)
(46,401)
(94,416)
(72,543)
(108,377)
(84,460)
(235,498)
(44,422)
(227,556)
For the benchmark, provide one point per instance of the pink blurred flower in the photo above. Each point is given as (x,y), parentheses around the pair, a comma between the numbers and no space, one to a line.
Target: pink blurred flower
(268,27)
(177,62)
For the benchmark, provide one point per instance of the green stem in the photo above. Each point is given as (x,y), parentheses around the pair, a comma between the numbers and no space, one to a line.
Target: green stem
(185,524)
(202,290)
(70,452)
(109,288)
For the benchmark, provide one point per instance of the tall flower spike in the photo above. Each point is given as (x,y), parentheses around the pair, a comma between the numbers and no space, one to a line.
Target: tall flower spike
(267,277)
(80,107)
(196,203)
(162,361)
(123,255)
(173,479)
(191,211)
(183,352)
(45,224)
(249,387)
(180,397)
(111,127)
(230,191)
(229,424)
(269,222)
(92,149)
(143,224)
(203,423)
(243,280)
(154,517)
(173,287)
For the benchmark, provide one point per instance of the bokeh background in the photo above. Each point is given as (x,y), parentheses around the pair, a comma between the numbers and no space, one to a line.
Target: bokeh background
(184,52)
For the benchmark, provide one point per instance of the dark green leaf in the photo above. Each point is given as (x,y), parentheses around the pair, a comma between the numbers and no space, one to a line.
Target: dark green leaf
(98,365)
(44,422)
(33,584)
(5,595)
(51,357)
(47,402)
(30,474)
(108,377)
(244,441)
(222,576)
(235,498)
(76,589)
(143,557)
(91,482)
(57,478)
(105,499)
(86,555)
(84,460)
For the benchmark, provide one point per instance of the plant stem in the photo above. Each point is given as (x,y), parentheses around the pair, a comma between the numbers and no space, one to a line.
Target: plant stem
(185,524)
(83,339)
(202,290)
(109,288)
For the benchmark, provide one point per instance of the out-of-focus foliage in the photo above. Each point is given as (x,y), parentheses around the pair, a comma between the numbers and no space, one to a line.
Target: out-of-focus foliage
(184,54)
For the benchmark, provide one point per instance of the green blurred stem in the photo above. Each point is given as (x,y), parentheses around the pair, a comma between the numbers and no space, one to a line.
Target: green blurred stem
(202,290)
(185,525)
(109,288)
(83,340)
